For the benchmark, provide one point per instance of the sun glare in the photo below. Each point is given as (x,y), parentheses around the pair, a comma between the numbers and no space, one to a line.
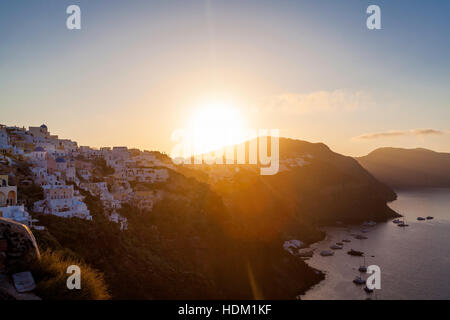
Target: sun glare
(215,125)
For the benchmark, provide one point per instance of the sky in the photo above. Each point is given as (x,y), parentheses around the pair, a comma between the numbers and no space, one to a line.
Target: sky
(138,70)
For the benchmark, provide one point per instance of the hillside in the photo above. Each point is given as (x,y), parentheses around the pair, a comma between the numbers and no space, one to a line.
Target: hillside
(314,186)
(180,250)
(408,168)
(212,231)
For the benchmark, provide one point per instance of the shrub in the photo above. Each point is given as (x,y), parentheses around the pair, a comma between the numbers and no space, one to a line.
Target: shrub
(50,275)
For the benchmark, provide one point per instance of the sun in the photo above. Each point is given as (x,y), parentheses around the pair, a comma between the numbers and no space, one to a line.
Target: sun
(216,124)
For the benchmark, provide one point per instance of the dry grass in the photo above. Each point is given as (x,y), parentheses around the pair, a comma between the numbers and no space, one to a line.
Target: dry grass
(51,277)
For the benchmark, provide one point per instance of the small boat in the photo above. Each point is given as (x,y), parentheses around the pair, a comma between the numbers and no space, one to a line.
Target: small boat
(335,247)
(346,240)
(339,244)
(305,253)
(360,237)
(420,218)
(430,218)
(396,221)
(363,268)
(364,230)
(403,224)
(326,253)
(355,253)
(359,281)
(366,289)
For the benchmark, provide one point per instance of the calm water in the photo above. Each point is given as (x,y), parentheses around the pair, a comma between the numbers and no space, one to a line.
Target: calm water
(414,261)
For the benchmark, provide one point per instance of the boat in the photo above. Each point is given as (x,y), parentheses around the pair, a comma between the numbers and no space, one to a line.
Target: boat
(358,280)
(430,218)
(420,218)
(363,268)
(335,247)
(366,289)
(364,230)
(355,253)
(339,244)
(326,253)
(305,253)
(360,237)
(396,221)
(403,224)
(346,240)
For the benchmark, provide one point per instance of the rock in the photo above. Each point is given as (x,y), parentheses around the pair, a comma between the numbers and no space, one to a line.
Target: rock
(8,292)
(24,282)
(292,245)
(20,242)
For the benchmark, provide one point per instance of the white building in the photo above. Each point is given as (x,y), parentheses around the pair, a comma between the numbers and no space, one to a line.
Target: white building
(8,203)
(4,139)
(117,218)
(16,213)
(61,201)
(40,132)
(39,157)
(150,175)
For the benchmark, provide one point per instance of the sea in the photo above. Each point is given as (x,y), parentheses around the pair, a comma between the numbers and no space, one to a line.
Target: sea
(414,261)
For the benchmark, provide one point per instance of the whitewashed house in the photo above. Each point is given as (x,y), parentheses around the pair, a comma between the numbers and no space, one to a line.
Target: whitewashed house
(9,208)
(61,201)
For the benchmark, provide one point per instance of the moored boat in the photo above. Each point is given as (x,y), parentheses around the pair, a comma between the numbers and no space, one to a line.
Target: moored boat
(355,253)
(363,268)
(326,253)
(366,289)
(305,253)
(358,280)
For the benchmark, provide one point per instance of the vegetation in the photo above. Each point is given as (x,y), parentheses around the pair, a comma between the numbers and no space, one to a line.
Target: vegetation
(217,239)
(50,275)
(102,168)
(182,249)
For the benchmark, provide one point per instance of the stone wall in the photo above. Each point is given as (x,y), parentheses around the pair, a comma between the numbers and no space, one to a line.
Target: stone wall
(17,243)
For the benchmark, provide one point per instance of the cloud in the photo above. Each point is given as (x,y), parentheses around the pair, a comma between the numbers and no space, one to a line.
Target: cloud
(318,101)
(397,133)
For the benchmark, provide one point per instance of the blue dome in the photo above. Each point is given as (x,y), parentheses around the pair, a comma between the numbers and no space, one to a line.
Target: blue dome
(39,149)
(60,160)
(43,126)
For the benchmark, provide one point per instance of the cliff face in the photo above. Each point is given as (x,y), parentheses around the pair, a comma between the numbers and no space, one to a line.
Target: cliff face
(326,186)
(19,242)
(314,186)
(185,248)
(408,168)
(218,231)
